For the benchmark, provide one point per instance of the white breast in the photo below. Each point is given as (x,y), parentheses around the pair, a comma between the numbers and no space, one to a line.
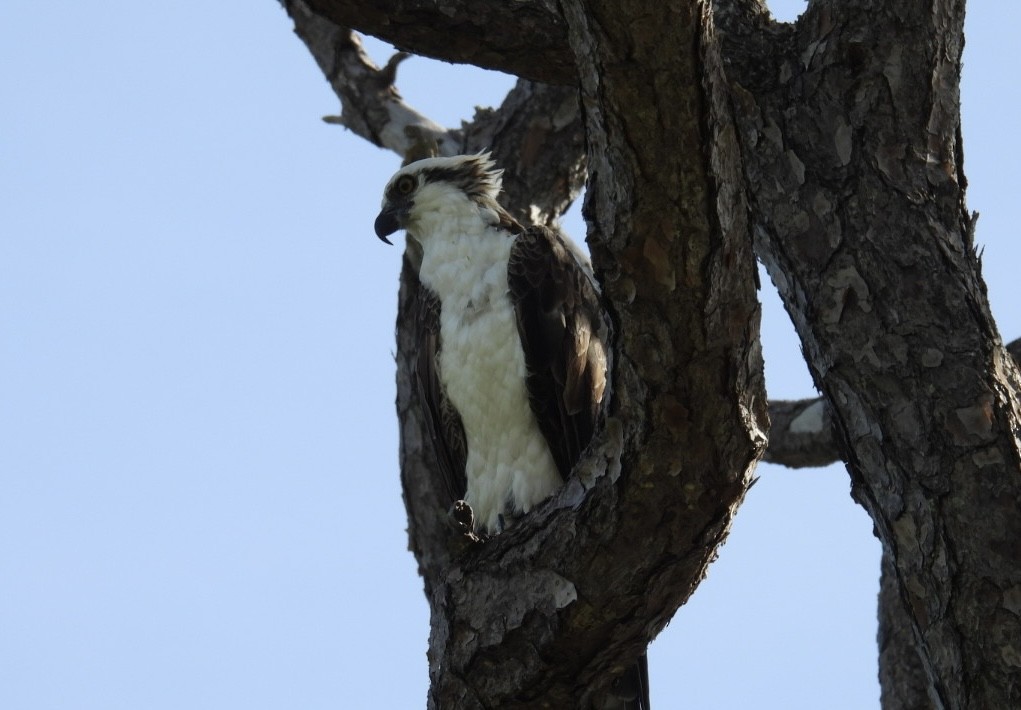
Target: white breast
(482,367)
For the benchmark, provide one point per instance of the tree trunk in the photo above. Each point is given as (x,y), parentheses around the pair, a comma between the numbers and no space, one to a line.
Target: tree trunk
(854,160)
(833,146)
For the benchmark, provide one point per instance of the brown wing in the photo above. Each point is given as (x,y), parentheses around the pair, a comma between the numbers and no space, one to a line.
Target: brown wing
(443,421)
(563,335)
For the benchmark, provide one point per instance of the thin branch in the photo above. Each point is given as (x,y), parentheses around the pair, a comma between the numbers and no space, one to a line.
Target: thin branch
(801,434)
(801,431)
(371,107)
(536,135)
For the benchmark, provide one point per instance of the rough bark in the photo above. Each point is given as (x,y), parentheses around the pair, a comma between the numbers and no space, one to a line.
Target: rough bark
(848,148)
(801,432)
(902,679)
(853,157)
(527,38)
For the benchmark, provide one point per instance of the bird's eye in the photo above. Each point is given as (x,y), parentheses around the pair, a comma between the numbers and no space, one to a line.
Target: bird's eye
(405,185)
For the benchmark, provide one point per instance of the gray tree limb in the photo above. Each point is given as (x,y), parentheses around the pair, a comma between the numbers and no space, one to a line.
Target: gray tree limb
(801,434)
(371,107)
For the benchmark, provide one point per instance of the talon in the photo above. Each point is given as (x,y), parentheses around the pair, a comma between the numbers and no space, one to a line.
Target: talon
(462,519)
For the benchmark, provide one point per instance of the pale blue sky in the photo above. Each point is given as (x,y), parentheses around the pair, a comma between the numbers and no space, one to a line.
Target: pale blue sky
(199,498)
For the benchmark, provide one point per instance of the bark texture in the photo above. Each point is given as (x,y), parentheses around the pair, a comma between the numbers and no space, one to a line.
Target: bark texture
(527,38)
(833,145)
(902,677)
(854,160)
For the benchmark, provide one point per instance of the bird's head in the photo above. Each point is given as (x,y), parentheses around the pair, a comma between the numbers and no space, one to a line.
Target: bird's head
(436,185)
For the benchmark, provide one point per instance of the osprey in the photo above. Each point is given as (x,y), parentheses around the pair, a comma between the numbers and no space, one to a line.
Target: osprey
(512,361)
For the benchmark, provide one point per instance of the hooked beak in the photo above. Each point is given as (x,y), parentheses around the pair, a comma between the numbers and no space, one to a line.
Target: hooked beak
(388,222)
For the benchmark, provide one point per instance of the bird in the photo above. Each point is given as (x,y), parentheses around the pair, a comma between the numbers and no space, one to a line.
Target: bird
(512,362)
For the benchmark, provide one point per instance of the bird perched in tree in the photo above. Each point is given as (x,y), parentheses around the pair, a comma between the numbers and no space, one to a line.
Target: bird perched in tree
(512,355)
(512,362)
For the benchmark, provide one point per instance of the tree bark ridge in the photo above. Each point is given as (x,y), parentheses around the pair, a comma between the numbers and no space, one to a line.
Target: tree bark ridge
(853,161)
(646,245)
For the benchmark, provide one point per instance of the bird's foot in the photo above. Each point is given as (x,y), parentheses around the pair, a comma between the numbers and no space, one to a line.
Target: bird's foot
(462,519)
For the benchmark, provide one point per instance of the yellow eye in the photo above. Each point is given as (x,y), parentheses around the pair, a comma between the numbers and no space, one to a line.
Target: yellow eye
(405,185)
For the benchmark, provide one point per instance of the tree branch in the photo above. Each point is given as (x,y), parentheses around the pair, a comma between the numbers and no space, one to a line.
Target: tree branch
(527,38)
(371,107)
(536,135)
(801,434)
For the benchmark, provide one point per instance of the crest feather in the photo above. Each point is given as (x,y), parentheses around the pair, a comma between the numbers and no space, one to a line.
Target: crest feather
(476,175)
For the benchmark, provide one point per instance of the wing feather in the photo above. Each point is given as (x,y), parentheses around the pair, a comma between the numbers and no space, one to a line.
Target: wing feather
(443,421)
(563,334)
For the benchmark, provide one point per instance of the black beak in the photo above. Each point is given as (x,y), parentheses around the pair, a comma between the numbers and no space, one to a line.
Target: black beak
(387,223)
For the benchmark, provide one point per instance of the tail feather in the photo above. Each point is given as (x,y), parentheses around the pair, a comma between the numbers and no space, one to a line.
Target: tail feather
(631,690)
